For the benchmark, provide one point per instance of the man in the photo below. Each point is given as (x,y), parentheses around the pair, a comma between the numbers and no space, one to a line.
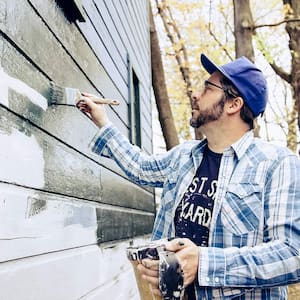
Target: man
(232,200)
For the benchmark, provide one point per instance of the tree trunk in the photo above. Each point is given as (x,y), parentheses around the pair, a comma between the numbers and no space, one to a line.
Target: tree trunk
(160,90)
(243,29)
(292,20)
(291,140)
(293,29)
(179,48)
(243,32)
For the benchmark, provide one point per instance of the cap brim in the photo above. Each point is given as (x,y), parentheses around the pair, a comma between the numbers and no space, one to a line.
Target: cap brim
(210,67)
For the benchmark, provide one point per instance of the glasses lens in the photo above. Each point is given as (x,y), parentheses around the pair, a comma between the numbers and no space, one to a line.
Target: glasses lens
(206,83)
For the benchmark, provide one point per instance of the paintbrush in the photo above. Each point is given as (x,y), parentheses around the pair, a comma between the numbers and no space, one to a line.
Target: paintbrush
(72,96)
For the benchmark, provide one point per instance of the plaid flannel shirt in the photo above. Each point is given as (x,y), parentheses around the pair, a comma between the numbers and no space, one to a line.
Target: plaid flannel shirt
(254,239)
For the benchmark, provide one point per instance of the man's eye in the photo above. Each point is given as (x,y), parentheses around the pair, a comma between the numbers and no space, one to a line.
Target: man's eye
(204,90)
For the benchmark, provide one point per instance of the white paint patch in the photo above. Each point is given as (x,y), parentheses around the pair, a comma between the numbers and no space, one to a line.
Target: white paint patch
(8,82)
(21,159)
(86,273)
(33,223)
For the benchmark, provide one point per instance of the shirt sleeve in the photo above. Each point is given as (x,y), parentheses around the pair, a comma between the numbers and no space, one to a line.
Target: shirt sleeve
(274,262)
(140,167)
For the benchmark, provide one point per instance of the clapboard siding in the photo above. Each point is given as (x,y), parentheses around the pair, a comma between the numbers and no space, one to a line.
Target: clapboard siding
(87,273)
(111,35)
(40,59)
(77,128)
(87,56)
(121,22)
(48,222)
(67,215)
(113,59)
(90,31)
(136,52)
(94,74)
(64,123)
(138,39)
(59,168)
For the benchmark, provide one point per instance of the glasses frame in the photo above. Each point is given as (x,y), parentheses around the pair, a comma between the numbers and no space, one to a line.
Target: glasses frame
(207,82)
(226,91)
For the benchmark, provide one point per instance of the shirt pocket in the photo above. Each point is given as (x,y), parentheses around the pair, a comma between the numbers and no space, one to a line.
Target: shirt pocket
(241,208)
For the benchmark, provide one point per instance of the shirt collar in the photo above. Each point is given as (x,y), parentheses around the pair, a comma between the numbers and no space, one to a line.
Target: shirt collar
(197,152)
(239,147)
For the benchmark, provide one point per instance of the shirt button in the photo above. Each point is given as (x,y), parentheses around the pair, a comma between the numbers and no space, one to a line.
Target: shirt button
(207,279)
(217,279)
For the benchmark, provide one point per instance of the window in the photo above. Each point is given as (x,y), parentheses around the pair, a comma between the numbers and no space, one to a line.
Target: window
(135,111)
(72,9)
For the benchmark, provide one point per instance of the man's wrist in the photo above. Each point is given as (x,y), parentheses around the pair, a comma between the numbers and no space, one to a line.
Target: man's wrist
(102,123)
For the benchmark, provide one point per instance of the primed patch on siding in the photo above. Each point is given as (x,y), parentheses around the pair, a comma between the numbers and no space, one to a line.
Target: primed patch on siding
(21,159)
(8,82)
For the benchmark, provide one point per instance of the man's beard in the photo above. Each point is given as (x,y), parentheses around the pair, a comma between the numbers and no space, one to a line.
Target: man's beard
(209,115)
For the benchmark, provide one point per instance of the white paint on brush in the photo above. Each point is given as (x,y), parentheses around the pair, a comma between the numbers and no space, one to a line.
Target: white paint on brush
(21,159)
(7,82)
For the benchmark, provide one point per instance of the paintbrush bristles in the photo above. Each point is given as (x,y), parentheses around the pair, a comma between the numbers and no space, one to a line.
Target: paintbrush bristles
(60,95)
(71,96)
(56,93)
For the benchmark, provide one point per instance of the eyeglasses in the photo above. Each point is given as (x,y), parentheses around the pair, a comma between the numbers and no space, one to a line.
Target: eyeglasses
(226,90)
(206,83)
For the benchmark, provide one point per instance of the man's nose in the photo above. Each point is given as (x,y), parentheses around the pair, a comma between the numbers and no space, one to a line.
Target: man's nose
(195,96)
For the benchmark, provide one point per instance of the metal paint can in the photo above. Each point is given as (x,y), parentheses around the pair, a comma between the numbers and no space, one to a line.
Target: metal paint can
(135,255)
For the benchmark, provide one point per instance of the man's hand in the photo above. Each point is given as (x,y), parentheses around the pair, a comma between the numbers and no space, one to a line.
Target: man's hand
(149,269)
(96,111)
(187,254)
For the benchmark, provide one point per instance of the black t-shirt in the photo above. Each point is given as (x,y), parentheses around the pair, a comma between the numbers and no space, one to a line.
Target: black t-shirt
(193,214)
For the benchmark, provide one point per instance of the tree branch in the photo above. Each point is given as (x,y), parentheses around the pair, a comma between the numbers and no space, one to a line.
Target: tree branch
(276,24)
(176,40)
(281,73)
(278,70)
(214,36)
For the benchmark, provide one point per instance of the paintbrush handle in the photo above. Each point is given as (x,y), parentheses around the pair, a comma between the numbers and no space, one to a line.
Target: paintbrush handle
(105,101)
(98,100)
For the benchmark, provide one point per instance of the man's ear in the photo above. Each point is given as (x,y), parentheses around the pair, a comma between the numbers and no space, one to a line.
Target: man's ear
(235,105)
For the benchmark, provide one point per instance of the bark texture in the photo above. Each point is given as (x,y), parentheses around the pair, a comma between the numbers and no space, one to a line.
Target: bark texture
(160,90)
(243,29)
(293,30)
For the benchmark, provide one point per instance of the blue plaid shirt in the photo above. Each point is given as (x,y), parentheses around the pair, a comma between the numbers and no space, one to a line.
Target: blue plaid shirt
(254,240)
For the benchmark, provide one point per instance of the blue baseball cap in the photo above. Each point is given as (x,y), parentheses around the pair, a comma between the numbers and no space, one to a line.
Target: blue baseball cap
(246,77)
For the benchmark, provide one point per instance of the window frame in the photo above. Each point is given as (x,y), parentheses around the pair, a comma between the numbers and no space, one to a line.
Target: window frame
(72,9)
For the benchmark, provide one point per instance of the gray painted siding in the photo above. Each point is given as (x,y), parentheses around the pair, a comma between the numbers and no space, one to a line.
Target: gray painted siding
(121,19)
(65,211)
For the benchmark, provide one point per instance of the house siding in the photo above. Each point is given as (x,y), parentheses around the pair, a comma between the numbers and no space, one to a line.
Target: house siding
(66,214)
